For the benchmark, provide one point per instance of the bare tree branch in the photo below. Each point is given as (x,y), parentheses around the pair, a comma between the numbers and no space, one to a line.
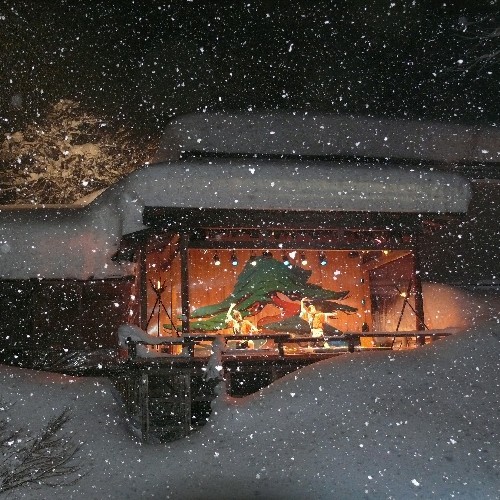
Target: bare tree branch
(47,458)
(485,42)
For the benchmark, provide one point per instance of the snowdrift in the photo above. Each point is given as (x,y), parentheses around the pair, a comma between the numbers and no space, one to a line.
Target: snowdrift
(421,423)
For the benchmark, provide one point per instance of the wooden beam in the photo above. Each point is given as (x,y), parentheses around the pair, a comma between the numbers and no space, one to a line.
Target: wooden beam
(185,309)
(419,300)
(142,285)
(296,245)
(191,219)
(384,259)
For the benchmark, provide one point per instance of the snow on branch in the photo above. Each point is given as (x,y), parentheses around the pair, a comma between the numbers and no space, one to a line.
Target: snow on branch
(66,156)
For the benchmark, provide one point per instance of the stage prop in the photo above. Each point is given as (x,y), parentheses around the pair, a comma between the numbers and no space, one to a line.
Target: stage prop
(158,306)
(263,281)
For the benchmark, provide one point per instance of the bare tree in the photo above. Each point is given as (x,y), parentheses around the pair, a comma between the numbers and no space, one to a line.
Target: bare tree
(47,458)
(483,40)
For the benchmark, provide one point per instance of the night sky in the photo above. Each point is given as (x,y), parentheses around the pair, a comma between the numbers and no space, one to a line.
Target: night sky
(143,62)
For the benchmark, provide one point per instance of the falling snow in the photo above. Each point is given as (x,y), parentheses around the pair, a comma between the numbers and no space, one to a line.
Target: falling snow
(376,83)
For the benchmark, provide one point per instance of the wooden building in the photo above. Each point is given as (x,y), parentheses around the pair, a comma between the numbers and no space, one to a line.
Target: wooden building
(236,185)
(353,252)
(346,203)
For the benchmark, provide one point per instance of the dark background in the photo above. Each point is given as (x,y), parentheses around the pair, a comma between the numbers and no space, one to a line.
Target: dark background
(141,63)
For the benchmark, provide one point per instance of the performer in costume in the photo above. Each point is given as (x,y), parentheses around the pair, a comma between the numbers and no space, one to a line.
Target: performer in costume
(240,326)
(315,319)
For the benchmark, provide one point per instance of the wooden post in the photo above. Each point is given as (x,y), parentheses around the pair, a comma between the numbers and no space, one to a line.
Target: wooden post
(350,343)
(183,248)
(187,402)
(131,348)
(143,286)
(144,406)
(417,282)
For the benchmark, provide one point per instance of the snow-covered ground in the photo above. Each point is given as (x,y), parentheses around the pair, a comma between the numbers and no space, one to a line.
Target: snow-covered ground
(406,424)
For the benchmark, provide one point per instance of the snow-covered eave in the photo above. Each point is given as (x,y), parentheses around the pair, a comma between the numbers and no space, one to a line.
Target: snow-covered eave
(290,185)
(81,242)
(315,134)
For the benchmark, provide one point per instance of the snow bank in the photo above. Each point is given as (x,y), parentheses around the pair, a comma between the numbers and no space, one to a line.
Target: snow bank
(450,306)
(421,423)
(290,185)
(60,243)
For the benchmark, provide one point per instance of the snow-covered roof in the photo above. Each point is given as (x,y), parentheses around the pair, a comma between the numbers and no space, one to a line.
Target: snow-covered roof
(80,242)
(294,185)
(313,134)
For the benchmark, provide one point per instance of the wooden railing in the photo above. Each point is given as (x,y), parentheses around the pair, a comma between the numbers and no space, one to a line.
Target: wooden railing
(280,339)
(353,338)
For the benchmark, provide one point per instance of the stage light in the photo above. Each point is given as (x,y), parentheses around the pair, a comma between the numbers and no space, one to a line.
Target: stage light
(303,259)
(234,259)
(216,260)
(322,259)
(253,262)
(286,260)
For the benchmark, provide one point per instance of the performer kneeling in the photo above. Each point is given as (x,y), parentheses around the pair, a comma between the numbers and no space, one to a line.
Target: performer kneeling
(240,326)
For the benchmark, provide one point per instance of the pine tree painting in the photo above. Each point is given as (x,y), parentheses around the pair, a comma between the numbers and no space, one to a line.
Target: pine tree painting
(263,281)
